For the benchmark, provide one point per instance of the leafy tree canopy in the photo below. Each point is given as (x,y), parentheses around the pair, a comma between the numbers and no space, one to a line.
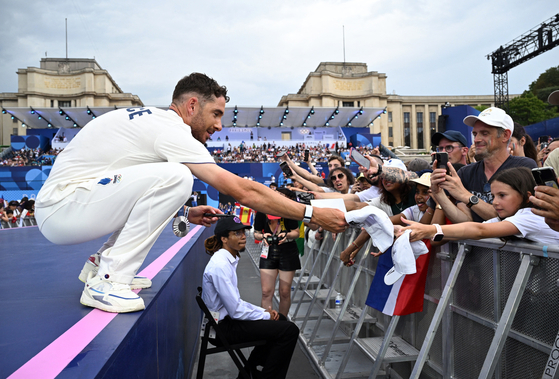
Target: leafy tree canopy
(546,83)
(527,109)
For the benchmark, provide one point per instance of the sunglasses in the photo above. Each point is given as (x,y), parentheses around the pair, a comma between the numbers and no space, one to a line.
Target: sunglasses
(447,148)
(339,176)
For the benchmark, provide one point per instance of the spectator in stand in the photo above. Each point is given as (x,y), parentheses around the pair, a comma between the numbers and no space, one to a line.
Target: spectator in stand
(274,186)
(333,162)
(13,206)
(361,184)
(544,151)
(546,199)
(521,144)
(454,143)
(512,189)
(12,220)
(341,180)
(470,186)
(27,211)
(3,215)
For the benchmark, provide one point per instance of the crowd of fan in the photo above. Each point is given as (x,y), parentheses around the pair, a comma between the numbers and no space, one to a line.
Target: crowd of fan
(13,213)
(487,188)
(267,152)
(30,157)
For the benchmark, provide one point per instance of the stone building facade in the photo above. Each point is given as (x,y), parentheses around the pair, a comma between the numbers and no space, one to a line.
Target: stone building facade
(409,120)
(61,82)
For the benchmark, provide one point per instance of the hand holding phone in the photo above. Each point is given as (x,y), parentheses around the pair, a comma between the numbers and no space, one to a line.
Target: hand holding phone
(545,176)
(358,158)
(442,160)
(286,169)
(307,154)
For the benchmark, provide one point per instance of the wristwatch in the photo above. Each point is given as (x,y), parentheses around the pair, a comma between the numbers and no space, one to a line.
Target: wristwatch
(474,200)
(439,235)
(308,213)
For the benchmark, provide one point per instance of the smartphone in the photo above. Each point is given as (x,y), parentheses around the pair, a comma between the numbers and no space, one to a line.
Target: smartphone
(286,170)
(358,158)
(217,215)
(442,160)
(307,155)
(280,154)
(545,176)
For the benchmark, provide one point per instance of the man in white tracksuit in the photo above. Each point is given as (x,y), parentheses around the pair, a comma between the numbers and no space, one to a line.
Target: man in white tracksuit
(129,171)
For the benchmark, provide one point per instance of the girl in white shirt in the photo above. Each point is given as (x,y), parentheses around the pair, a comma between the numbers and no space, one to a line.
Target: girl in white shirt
(511,189)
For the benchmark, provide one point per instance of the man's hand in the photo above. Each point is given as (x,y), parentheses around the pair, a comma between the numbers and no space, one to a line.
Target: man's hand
(454,186)
(330,219)
(274,315)
(196,215)
(438,176)
(372,170)
(547,198)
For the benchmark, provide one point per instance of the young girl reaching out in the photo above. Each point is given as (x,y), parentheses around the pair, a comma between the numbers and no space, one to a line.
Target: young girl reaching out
(511,189)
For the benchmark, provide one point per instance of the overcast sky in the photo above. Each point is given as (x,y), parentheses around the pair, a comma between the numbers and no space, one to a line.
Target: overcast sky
(262,50)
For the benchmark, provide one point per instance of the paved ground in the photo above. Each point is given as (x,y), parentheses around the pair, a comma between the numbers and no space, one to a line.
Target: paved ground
(220,365)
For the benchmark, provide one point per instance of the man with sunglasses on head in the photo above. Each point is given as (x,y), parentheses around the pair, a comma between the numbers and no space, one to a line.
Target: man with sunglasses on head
(470,187)
(452,142)
(241,321)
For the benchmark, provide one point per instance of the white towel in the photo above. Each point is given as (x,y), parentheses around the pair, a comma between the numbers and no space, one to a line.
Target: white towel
(376,222)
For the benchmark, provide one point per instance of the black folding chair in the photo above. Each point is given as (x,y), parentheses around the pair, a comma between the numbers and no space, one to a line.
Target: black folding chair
(220,342)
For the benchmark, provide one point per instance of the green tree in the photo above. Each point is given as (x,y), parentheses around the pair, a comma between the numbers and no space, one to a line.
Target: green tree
(545,84)
(527,109)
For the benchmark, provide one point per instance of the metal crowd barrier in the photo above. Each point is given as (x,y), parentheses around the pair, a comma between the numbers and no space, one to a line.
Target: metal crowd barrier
(490,311)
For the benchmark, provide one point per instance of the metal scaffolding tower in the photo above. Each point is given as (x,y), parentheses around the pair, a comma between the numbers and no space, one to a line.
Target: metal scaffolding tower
(534,42)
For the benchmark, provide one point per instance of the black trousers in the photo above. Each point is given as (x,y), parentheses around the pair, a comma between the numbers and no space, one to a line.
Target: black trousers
(275,356)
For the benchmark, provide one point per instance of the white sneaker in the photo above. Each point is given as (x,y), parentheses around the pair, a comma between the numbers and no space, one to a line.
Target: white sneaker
(92,265)
(110,296)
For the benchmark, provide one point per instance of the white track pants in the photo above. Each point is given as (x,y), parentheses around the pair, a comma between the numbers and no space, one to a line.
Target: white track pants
(135,209)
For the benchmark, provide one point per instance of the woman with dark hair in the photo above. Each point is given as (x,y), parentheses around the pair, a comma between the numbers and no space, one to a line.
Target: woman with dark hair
(511,190)
(394,197)
(280,255)
(521,144)
(341,179)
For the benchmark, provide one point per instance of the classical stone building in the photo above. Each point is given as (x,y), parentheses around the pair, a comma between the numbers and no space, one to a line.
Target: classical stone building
(65,83)
(409,120)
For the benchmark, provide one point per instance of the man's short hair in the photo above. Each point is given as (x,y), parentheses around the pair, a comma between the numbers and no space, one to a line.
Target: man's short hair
(200,84)
(340,159)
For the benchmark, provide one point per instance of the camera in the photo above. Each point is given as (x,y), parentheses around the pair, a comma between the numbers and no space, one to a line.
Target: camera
(273,243)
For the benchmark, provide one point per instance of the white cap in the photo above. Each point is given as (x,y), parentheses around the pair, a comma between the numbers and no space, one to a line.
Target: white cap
(553,98)
(494,117)
(394,162)
(404,255)
(425,180)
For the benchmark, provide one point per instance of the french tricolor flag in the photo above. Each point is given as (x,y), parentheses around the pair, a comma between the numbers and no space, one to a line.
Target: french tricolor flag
(406,295)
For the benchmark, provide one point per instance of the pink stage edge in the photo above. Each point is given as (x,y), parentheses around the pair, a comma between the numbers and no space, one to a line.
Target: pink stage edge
(55,357)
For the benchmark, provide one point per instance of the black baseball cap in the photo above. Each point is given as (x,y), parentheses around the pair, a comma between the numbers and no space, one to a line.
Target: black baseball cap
(451,135)
(228,224)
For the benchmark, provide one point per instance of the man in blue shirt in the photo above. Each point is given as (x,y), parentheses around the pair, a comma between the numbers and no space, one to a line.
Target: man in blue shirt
(241,321)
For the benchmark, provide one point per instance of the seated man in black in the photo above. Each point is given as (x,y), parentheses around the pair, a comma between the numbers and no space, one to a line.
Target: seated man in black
(241,321)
